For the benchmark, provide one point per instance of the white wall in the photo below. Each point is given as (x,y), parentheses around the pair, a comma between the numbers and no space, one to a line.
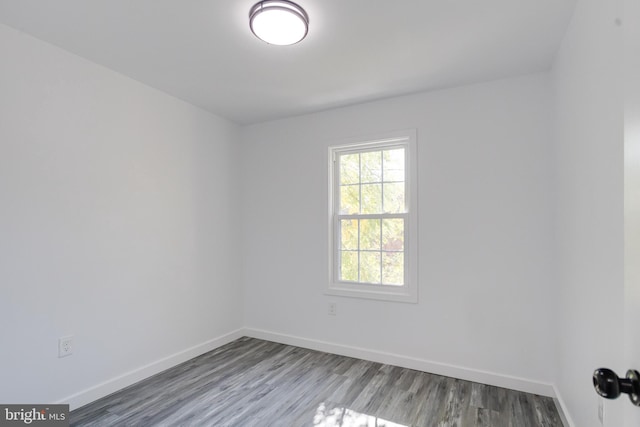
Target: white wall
(486,294)
(589,199)
(117,223)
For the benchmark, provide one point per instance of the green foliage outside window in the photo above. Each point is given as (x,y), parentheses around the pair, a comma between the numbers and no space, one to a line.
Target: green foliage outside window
(372,249)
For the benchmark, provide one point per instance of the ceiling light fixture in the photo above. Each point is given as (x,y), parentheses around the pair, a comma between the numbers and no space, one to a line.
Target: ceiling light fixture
(279,22)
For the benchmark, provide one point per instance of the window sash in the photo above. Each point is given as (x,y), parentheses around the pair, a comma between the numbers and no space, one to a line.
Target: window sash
(337,248)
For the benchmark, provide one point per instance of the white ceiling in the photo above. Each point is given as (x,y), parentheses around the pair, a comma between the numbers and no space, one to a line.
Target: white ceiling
(203,52)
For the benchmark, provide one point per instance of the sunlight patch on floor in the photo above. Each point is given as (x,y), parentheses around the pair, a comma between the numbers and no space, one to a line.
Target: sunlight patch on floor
(328,415)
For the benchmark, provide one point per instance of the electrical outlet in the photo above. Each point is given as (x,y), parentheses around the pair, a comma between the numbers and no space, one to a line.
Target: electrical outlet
(333,309)
(601,410)
(65,346)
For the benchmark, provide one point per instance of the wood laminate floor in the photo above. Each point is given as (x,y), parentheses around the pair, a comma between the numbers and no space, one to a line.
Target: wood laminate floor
(251,382)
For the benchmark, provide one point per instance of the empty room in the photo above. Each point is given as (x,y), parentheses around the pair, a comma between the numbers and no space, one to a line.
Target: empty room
(320,213)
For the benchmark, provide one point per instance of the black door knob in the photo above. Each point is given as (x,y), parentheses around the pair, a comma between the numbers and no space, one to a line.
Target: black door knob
(610,386)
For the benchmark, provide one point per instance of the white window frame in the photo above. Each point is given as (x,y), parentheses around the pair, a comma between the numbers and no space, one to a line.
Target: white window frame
(409,291)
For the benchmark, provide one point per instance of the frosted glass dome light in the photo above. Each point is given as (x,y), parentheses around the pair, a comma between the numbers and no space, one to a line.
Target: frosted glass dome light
(278,22)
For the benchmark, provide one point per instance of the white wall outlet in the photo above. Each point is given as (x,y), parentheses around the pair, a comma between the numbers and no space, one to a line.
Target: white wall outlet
(333,309)
(65,346)
(601,410)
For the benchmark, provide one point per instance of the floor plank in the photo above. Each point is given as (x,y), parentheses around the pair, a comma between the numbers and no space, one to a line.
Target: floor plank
(252,382)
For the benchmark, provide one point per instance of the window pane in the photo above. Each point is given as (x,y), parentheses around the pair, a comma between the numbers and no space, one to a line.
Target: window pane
(394,198)
(350,169)
(371,166)
(393,268)
(370,234)
(349,234)
(370,267)
(349,266)
(371,198)
(349,199)
(394,165)
(393,234)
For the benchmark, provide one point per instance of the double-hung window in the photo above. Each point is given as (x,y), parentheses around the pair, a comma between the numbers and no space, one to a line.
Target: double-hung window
(373,217)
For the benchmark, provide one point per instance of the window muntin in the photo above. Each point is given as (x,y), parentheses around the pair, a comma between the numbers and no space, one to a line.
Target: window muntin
(371,196)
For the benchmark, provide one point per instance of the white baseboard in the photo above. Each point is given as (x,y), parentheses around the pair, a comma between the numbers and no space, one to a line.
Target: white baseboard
(475,375)
(110,386)
(562,409)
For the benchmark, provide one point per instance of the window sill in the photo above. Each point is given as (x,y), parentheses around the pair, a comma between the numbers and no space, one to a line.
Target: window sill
(381,293)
